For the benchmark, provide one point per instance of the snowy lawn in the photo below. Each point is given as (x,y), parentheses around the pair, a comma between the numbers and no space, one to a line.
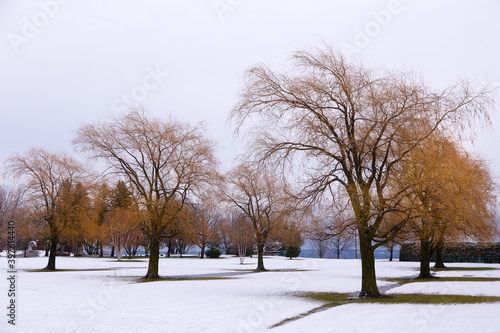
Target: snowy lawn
(220,295)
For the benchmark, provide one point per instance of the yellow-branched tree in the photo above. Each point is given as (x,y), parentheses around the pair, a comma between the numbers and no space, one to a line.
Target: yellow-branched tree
(102,203)
(48,178)
(76,212)
(162,160)
(451,197)
(121,219)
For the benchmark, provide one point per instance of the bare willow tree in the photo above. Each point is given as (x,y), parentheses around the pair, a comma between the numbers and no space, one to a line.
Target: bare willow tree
(349,125)
(205,221)
(118,225)
(48,177)
(341,242)
(11,202)
(163,160)
(11,199)
(225,230)
(403,235)
(242,232)
(332,228)
(260,196)
(452,197)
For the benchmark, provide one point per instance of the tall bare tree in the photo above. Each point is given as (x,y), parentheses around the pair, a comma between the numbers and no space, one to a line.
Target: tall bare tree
(348,125)
(163,160)
(243,235)
(47,178)
(205,221)
(341,242)
(260,196)
(11,201)
(118,225)
(226,231)
(332,229)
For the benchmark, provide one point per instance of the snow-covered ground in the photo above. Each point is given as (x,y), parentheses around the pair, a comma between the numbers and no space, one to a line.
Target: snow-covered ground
(102,295)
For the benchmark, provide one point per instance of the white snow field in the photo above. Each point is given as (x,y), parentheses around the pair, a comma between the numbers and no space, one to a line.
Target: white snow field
(103,295)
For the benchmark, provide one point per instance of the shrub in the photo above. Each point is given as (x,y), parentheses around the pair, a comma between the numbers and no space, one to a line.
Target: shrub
(292,252)
(213,252)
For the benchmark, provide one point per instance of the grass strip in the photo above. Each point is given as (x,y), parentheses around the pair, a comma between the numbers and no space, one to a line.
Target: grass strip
(68,270)
(331,300)
(429,299)
(464,269)
(142,280)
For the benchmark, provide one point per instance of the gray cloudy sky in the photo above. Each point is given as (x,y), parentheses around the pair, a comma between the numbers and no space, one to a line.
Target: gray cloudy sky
(65,62)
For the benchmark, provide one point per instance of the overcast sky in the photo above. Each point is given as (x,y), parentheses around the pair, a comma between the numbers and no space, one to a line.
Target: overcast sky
(63,63)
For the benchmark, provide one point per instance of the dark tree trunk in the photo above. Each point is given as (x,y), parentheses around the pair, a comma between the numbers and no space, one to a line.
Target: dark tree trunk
(202,253)
(169,252)
(439,255)
(368,278)
(425,260)
(260,257)
(355,245)
(128,251)
(391,252)
(51,265)
(154,258)
(101,251)
(112,251)
(47,248)
(77,250)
